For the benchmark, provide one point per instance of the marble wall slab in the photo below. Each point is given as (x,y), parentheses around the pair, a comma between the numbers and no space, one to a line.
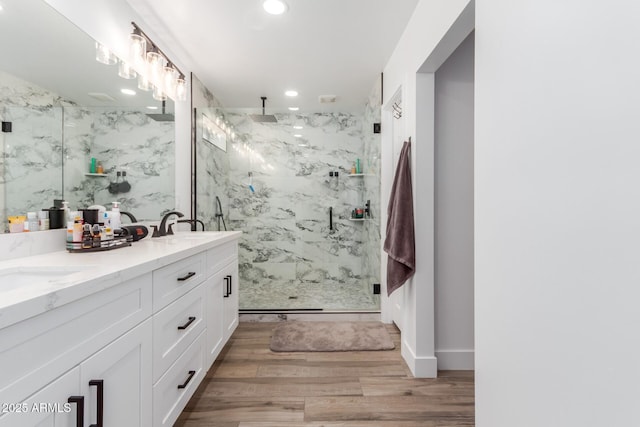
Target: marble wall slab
(35,141)
(290,257)
(120,140)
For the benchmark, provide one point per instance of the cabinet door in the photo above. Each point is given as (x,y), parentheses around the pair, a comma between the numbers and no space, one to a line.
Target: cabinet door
(215,289)
(230,300)
(116,381)
(49,407)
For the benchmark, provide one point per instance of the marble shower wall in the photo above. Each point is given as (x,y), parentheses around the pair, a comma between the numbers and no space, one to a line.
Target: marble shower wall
(31,155)
(289,256)
(121,140)
(372,146)
(212,163)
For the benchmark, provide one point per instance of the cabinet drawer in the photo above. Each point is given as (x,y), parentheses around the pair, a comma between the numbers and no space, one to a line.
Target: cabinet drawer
(175,327)
(172,392)
(174,280)
(38,350)
(219,256)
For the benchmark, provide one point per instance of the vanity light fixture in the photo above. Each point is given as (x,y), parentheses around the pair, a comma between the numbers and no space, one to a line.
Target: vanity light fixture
(143,82)
(181,89)
(152,107)
(274,7)
(104,55)
(153,68)
(298,127)
(128,91)
(297,135)
(291,93)
(293,108)
(158,94)
(137,48)
(126,71)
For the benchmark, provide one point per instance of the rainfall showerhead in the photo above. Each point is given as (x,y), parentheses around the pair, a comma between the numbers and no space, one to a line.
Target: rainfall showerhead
(263,118)
(164,117)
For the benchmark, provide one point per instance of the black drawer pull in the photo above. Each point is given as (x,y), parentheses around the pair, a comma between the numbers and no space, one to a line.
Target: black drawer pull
(186,325)
(226,287)
(187,276)
(100,398)
(191,374)
(230,284)
(79,401)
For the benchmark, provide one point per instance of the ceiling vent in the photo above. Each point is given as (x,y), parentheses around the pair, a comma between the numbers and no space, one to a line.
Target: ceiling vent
(327,99)
(101,96)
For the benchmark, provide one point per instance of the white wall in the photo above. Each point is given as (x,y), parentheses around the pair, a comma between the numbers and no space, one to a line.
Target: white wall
(436,28)
(109,22)
(454,209)
(557,213)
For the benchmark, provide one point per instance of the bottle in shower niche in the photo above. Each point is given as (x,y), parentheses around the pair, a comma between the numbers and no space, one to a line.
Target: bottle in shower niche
(358,169)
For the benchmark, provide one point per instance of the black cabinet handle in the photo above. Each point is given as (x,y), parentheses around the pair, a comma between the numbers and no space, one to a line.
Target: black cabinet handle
(79,401)
(230,282)
(191,374)
(186,325)
(100,398)
(226,287)
(187,276)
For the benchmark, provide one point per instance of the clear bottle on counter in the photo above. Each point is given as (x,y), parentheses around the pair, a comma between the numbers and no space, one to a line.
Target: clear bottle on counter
(43,220)
(31,224)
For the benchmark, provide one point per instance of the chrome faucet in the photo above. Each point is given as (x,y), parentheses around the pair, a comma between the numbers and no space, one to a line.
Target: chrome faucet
(163,224)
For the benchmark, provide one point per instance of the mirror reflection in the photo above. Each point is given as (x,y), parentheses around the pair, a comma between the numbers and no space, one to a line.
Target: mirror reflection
(68,131)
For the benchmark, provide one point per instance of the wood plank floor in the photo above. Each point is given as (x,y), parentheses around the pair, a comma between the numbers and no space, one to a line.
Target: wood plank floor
(251,386)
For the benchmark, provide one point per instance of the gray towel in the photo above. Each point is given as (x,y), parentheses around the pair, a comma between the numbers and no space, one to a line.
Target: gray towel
(400,240)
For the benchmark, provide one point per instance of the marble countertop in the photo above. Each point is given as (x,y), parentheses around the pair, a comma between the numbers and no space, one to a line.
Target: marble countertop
(93,272)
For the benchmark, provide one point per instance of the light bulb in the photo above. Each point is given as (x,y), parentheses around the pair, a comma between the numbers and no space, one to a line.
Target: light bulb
(104,55)
(158,94)
(274,7)
(155,65)
(126,71)
(137,49)
(143,82)
(181,89)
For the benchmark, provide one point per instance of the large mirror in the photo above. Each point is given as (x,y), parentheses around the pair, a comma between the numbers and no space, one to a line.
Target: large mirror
(61,108)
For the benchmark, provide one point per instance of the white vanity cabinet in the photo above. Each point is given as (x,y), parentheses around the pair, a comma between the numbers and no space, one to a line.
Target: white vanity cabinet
(127,353)
(230,299)
(59,354)
(116,381)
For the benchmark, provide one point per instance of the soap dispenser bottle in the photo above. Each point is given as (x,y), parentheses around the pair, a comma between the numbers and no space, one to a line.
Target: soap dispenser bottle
(115,216)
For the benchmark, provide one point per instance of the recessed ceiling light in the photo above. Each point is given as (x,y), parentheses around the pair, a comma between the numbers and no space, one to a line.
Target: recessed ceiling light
(298,127)
(297,135)
(274,7)
(294,108)
(303,145)
(152,107)
(128,91)
(291,93)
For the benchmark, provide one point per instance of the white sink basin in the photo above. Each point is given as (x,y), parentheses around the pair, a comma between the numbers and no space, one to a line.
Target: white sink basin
(17,277)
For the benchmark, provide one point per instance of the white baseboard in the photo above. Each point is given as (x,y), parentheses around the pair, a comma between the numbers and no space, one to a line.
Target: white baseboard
(455,360)
(421,367)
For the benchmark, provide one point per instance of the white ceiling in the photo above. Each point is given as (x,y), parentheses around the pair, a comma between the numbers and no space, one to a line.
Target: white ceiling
(319,47)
